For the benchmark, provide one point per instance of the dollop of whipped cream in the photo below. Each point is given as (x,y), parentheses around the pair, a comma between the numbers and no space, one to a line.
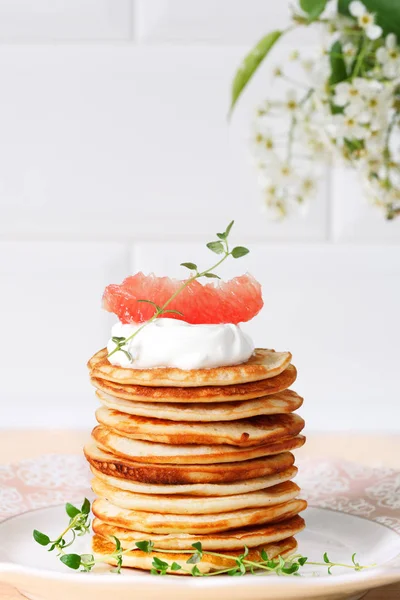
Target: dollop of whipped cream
(175,343)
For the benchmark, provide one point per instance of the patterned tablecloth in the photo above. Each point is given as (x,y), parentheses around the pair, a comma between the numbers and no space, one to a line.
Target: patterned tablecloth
(51,479)
(54,479)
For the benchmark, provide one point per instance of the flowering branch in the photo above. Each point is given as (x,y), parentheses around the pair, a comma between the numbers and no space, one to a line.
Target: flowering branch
(351,108)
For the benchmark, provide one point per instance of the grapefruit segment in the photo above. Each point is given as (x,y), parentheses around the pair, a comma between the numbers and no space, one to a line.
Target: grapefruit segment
(234,301)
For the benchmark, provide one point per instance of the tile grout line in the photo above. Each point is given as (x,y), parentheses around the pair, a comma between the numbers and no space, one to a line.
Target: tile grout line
(132,21)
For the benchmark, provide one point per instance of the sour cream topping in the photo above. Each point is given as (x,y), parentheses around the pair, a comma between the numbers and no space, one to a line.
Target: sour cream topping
(174,343)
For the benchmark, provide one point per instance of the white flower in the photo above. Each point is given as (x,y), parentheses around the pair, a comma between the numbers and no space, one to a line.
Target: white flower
(349,50)
(389,57)
(361,98)
(308,65)
(349,128)
(278,173)
(349,92)
(291,103)
(277,71)
(365,20)
(357,111)
(284,174)
(264,109)
(375,145)
(262,141)
(308,187)
(394,176)
(371,87)
(274,201)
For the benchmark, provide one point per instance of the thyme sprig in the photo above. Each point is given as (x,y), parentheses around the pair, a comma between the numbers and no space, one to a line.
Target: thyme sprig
(221,247)
(79,525)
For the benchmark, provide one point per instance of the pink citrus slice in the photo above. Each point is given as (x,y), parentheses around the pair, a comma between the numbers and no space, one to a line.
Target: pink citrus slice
(234,301)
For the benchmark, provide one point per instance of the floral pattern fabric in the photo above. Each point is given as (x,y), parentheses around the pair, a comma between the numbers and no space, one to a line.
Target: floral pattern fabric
(51,479)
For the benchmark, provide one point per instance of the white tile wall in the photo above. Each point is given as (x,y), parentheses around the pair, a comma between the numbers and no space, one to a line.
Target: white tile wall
(221,22)
(51,323)
(114,139)
(57,20)
(115,142)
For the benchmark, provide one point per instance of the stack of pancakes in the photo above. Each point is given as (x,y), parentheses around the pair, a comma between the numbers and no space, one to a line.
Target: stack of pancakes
(203,455)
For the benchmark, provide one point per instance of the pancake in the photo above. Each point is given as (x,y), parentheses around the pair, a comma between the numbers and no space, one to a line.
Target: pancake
(143,560)
(254,431)
(280,403)
(199,489)
(205,393)
(154,473)
(184,505)
(263,364)
(234,539)
(156,522)
(151,452)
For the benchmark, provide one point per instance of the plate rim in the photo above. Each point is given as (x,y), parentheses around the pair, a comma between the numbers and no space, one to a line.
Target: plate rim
(374,577)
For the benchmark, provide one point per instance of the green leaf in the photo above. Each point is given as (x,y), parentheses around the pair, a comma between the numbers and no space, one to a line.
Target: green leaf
(118,558)
(326,559)
(145,546)
(302,560)
(117,543)
(271,564)
(216,247)
(158,308)
(127,354)
(117,339)
(233,572)
(198,546)
(87,562)
(228,229)
(222,236)
(190,265)
(387,13)
(41,538)
(71,510)
(242,568)
(87,558)
(239,251)
(174,312)
(250,64)
(212,276)
(159,564)
(242,556)
(175,567)
(313,8)
(338,66)
(194,559)
(85,507)
(196,572)
(264,555)
(73,561)
(291,569)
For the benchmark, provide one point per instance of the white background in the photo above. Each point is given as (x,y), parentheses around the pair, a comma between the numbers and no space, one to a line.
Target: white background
(116,156)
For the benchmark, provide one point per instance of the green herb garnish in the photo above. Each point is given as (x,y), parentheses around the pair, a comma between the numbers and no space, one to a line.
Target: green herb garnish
(79,525)
(219,246)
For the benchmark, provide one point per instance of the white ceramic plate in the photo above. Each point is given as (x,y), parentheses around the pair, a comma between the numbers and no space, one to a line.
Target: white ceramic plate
(39,575)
